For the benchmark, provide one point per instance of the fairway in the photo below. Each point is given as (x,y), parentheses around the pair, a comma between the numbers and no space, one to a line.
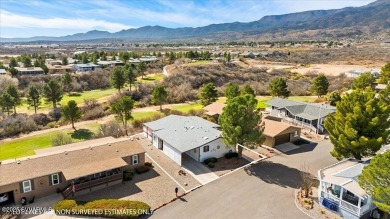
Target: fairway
(150,78)
(26,146)
(187,107)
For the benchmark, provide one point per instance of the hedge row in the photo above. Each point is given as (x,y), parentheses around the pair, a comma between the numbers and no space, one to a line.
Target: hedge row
(109,208)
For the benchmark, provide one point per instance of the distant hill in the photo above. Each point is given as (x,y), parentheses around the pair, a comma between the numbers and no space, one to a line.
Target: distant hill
(367,20)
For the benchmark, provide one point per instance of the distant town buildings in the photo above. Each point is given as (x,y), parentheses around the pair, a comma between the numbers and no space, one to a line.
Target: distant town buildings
(357,72)
(30,70)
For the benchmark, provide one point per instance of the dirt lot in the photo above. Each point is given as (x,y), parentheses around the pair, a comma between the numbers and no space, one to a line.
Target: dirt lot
(327,69)
(224,166)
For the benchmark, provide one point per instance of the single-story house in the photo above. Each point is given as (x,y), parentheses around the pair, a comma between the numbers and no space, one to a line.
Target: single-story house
(110,63)
(357,72)
(85,67)
(339,189)
(276,133)
(309,115)
(71,169)
(148,59)
(53,62)
(30,70)
(191,136)
(214,110)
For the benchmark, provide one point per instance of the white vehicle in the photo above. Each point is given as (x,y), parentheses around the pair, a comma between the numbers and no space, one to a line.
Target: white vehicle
(4,197)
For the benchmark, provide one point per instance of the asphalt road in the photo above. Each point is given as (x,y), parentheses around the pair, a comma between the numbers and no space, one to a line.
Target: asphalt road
(265,190)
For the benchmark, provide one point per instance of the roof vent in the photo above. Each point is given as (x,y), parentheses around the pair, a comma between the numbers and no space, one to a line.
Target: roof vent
(109,144)
(117,150)
(18,161)
(205,137)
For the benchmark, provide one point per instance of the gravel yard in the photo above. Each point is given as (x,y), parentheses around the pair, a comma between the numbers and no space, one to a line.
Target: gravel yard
(154,188)
(170,166)
(224,166)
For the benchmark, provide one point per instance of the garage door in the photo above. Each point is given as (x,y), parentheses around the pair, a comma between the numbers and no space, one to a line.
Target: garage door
(7,198)
(172,153)
(282,139)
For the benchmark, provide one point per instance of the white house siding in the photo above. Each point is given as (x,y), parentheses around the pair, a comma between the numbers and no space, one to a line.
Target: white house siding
(172,152)
(194,153)
(150,133)
(214,151)
(145,131)
(155,141)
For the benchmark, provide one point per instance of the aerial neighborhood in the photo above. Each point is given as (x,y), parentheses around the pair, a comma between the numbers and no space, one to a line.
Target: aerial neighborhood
(283,117)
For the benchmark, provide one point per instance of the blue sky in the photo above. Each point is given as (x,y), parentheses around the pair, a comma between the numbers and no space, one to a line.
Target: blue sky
(26,18)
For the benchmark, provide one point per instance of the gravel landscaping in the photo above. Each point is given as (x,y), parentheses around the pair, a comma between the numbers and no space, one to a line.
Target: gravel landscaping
(187,181)
(224,166)
(154,188)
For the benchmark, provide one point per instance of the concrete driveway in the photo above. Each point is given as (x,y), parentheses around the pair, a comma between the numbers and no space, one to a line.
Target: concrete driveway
(198,170)
(264,190)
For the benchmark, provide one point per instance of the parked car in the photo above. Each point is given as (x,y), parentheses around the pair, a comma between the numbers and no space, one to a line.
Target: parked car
(4,197)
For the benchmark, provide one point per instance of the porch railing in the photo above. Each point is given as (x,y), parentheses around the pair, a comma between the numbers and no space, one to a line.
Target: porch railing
(346,205)
(91,183)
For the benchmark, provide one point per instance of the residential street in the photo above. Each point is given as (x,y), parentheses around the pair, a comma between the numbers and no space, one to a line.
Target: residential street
(265,190)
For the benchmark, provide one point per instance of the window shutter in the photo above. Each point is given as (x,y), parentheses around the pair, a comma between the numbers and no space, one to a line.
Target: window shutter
(32,185)
(131,160)
(50,181)
(60,177)
(21,187)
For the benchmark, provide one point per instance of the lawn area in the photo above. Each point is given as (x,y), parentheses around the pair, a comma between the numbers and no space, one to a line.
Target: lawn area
(151,78)
(187,107)
(79,97)
(143,115)
(26,146)
(201,62)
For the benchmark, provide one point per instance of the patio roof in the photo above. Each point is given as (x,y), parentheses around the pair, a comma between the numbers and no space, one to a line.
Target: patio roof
(91,168)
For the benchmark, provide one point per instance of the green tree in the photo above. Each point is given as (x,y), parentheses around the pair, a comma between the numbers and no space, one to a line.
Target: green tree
(122,108)
(53,92)
(84,58)
(33,98)
(6,102)
(334,98)
(375,180)
(13,63)
(228,57)
(241,122)
(360,125)
(65,61)
(44,68)
(232,90)
(208,94)
(130,76)
(12,90)
(118,79)
(124,56)
(365,80)
(71,112)
(320,85)
(141,68)
(13,72)
(385,74)
(159,95)
(247,90)
(27,62)
(278,87)
(384,95)
(67,81)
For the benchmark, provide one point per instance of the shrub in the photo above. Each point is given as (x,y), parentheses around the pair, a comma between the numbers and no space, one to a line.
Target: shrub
(127,175)
(210,160)
(110,128)
(55,114)
(142,169)
(40,119)
(61,139)
(148,164)
(211,165)
(17,124)
(231,155)
(103,208)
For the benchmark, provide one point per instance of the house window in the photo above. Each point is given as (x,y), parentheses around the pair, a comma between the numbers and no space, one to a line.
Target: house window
(27,186)
(206,148)
(295,134)
(55,179)
(135,159)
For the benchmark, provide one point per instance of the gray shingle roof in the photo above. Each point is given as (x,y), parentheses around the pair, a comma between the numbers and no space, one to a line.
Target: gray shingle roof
(304,110)
(185,132)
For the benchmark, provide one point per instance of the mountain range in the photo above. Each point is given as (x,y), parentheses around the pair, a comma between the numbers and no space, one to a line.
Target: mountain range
(366,21)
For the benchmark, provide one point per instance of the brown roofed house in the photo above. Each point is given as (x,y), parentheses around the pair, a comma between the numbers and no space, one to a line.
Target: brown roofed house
(71,169)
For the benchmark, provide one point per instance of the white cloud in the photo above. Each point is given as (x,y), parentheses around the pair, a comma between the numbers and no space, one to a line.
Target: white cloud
(8,19)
